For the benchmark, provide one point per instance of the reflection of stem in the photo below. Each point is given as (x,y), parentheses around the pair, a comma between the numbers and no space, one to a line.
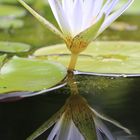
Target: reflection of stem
(72,83)
(74,57)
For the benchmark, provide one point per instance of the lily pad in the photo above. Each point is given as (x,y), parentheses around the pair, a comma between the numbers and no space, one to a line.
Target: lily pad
(11,23)
(100,57)
(15,1)
(22,74)
(14,47)
(11,11)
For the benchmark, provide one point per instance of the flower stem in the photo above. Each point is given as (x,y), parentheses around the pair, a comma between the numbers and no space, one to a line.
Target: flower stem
(72,83)
(73,61)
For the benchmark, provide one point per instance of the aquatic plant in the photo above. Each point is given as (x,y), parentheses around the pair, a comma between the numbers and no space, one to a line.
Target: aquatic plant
(80,21)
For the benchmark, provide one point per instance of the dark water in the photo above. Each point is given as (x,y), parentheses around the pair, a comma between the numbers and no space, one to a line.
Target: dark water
(117,98)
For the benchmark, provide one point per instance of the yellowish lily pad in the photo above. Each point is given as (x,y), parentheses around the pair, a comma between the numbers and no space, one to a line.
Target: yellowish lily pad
(14,47)
(15,1)
(100,57)
(11,11)
(11,23)
(22,74)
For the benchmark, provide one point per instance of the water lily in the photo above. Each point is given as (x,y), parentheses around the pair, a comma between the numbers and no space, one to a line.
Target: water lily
(80,21)
(76,120)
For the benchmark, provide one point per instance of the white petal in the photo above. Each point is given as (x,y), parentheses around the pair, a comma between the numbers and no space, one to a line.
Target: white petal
(102,11)
(87,10)
(110,120)
(97,8)
(96,13)
(60,15)
(111,6)
(75,134)
(77,17)
(99,124)
(55,129)
(64,131)
(114,16)
(99,136)
(68,9)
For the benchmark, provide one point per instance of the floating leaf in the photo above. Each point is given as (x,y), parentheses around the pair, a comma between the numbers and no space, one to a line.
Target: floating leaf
(11,11)
(123,26)
(11,23)
(100,57)
(15,1)
(22,74)
(14,47)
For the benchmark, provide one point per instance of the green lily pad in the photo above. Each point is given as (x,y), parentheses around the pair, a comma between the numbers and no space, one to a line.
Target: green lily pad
(100,57)
(14,47)
(22,74)
(15,1)
(11,23)
(11,11)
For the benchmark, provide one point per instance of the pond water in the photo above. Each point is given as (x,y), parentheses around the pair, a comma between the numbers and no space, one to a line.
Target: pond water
(117,98)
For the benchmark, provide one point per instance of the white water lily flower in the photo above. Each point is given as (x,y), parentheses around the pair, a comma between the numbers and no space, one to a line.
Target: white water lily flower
(81,18)
(75,16)
(80,21)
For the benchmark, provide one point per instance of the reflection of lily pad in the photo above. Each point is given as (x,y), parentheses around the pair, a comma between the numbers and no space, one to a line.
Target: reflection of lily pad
(100,57)
(21,74)
(13,47)
(11,11)
(11,23)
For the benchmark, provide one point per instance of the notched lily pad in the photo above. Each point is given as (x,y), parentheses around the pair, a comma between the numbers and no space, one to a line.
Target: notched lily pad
(11,11)
(11,23)
(22,74)
(100,57)
(14,47)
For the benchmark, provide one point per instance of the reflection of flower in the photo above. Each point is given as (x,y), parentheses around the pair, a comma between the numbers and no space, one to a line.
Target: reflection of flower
(80,21)
(77,121)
